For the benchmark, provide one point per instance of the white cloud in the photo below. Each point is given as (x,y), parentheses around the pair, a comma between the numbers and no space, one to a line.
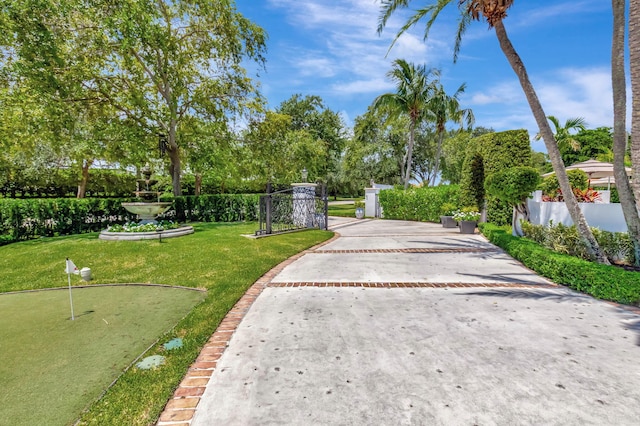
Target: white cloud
(375,86)
(565,93)
(316,66)
(354,54)
(506,93)
(576,92)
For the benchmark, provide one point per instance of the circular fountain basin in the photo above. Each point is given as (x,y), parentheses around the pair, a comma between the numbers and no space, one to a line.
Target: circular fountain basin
(151,235)
(146,211)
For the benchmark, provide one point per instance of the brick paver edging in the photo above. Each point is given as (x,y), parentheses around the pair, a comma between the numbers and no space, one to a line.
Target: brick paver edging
(414,250)
(411,285)
(181,408)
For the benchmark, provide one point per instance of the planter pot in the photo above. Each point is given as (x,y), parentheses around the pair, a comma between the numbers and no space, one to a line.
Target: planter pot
(467,226)
(359,213)
(448,222)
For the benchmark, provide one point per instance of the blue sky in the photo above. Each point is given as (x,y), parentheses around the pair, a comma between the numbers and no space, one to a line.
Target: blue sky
(330,48)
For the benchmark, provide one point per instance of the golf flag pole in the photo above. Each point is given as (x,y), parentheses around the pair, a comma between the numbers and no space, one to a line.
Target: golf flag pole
(71,269)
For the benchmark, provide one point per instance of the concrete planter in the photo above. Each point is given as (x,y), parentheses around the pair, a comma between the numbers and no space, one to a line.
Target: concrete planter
(152,235)
(359,213)
(448,222)
(467,226)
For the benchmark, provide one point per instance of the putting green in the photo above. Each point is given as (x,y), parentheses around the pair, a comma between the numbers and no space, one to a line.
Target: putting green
(53,367)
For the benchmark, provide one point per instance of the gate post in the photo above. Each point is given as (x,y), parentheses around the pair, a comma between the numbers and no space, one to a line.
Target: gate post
(325,200)
(268,204)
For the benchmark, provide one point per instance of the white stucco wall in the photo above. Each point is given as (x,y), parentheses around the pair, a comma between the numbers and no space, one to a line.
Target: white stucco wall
(607,217)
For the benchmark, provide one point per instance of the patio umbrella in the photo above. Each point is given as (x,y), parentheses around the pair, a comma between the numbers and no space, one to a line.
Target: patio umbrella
(608,181)
(594,169)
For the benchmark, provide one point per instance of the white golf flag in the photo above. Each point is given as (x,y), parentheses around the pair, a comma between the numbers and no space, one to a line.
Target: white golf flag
(71,268)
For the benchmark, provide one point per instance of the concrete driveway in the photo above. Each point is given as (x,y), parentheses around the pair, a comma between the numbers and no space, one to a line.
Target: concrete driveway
(404,323)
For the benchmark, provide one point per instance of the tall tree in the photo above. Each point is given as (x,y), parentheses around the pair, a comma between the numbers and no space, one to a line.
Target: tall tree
(157,62)
(627,199)
(442,109)
(309,113)
(413,90)
(634,71)
(493,12)
(176,59)
(376,152)
(594,144)
(566,141)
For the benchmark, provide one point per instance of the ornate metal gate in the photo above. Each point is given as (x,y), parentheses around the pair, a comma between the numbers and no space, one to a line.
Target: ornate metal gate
(300,207)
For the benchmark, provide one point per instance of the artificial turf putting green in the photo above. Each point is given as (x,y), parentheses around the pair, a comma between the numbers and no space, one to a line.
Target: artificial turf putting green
(52,367)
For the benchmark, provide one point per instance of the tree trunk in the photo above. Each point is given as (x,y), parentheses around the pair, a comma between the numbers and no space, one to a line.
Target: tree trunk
(627,199)
(520,213)
(552,147)
(82,186)
(634,57)
(198,184)
(412,128)
(438,153)
(174,156)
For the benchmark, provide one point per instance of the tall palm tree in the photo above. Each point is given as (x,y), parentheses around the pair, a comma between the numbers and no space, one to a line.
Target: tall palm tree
(413,89)
(493,12)
(634,61)
(618,78)
(443,108)
(565,140)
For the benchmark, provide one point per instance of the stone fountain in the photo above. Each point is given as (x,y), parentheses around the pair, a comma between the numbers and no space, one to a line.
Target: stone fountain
(150,207)
(147,211)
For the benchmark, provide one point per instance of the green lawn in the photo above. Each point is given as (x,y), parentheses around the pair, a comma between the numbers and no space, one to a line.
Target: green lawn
(344,210)
(55,367)
(216,257)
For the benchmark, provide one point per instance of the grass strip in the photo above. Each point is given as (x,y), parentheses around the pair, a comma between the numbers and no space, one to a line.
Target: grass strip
(342,210)
(216,257)
(601,281)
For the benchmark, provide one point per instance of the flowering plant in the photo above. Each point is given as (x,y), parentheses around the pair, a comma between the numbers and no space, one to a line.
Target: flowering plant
(146,227)
(467,214)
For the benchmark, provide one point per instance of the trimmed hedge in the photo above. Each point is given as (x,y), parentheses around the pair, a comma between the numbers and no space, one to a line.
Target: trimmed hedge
(601,281)
(217,208)
(486,155)
(421,204)
(33,218)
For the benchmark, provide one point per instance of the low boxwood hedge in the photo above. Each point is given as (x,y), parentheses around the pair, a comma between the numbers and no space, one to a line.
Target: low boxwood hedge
(601,281)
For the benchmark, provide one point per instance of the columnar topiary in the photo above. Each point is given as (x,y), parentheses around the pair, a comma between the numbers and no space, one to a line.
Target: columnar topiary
(489,154)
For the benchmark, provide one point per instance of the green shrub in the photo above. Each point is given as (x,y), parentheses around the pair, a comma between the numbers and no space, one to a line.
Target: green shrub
(617,246)
(577,179)
(216,208)
(23,219)
(448,209)
(601,281)
(420,204)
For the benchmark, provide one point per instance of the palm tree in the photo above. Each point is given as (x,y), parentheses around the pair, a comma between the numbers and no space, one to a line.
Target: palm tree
(441,109)
(493,12)
(562,134)
(412,93)
(634,58)
(625,192)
